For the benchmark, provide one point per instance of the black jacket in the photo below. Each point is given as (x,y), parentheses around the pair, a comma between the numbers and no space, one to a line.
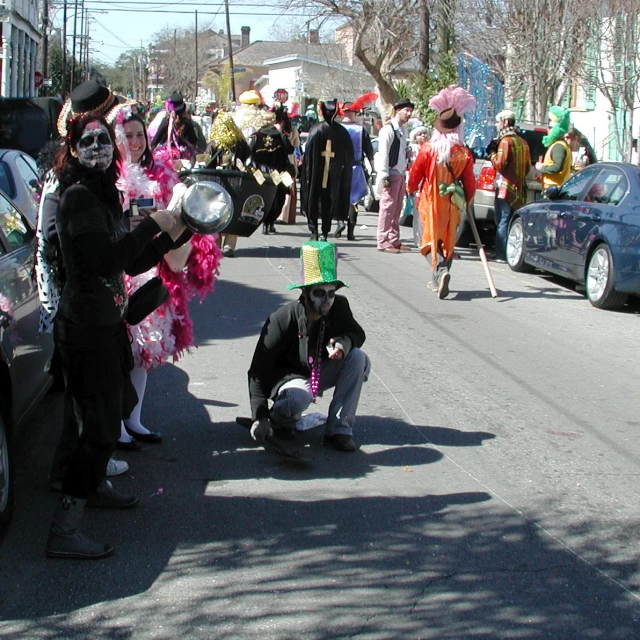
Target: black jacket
(283,348)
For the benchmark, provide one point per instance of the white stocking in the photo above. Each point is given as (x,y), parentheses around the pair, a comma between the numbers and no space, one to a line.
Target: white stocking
(139,381)
(124,436)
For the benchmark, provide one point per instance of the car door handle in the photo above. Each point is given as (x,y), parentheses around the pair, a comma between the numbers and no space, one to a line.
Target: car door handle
(596,217)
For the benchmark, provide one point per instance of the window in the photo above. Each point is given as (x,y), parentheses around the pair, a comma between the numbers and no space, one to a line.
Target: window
(572,189)
(608,188)
(29,175)
(13,226)
(6,181)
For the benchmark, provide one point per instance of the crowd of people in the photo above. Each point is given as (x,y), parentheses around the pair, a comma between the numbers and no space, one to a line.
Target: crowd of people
(117,267)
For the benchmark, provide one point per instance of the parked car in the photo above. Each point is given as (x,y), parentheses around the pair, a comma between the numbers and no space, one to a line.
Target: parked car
(20,181)
(588,230)
(25,354)
(484,198)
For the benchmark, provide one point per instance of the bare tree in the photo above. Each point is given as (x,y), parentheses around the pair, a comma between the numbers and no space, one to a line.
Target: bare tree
(537,46)
(613,65)
(382,34)
(175,50)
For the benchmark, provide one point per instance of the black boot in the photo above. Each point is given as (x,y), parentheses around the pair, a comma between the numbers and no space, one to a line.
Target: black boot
(272,228)
(265,229)
(350,228)
(339,229)
(65,538)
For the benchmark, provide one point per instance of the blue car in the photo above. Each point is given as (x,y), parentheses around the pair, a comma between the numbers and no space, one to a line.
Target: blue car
(588,230)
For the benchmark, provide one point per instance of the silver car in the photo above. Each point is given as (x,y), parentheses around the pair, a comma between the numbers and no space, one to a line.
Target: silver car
(19,180)
(25,354)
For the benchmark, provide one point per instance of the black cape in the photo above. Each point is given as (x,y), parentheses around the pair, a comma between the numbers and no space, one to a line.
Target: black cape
(340,169)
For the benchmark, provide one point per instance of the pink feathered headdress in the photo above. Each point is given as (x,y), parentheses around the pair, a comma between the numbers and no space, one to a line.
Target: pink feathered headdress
(456,98)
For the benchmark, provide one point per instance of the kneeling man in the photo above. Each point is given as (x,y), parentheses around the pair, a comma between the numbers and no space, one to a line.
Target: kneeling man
(305,348)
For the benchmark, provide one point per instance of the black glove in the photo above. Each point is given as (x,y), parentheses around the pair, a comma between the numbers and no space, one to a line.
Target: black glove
(261,430)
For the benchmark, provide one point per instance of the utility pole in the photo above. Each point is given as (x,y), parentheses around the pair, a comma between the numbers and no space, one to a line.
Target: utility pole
(73,47)
(81,36)
(64,49)
(424,37)
(45,42)
(195,95)
(233,77)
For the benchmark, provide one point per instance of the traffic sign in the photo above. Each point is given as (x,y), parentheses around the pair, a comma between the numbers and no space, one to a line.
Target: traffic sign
(281,95)
(39,79)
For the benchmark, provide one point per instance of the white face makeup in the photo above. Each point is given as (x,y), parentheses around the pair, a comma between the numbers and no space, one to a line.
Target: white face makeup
(95,147)
(134,132)
(321,298)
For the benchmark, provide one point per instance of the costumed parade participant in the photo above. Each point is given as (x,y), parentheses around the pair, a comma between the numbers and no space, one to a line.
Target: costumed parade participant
(362,148)
(556,165)
(187,272)
(88,98)
(270,153)
(512,162)
(305,348)
(90,330)
(227,146)
(174,129)
(391,164)
(443,171)
(325,180)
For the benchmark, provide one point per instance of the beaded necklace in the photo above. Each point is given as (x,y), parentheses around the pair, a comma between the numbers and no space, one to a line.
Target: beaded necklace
(316,363)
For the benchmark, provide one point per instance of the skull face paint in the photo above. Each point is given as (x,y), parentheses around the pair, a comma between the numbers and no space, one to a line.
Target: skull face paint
(321,298)
(95,147)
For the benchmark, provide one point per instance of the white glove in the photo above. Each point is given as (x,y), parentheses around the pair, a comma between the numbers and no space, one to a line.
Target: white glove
(261,430)
(176,198)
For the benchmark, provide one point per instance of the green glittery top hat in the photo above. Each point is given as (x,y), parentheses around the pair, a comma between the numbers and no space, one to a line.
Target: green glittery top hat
(319,262)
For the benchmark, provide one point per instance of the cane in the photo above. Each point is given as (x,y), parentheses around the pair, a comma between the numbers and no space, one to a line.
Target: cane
(483,255)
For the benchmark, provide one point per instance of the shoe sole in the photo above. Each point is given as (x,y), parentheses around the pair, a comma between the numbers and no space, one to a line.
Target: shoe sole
(79,556)
(443,289)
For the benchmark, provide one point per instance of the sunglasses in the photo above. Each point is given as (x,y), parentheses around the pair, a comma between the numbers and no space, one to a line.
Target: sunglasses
(321,293)
(102,137)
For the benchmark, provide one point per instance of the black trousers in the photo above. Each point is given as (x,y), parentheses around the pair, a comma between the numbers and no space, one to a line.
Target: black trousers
(278,203)
(323,213)
(96,362)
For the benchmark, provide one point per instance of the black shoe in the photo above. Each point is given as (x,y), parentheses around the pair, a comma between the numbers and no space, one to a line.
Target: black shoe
(153,437)
(134,445)
(265,230)
(106,497)
(339,229)
(324,237)
(341,442)
(443,287)
(272,228)
(351,237)
(314,237)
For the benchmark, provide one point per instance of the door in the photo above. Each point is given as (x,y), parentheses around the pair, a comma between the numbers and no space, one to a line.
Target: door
(583,221)
(559,217)
(27,351)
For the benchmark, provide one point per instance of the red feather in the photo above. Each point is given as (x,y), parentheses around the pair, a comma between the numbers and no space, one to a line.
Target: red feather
(362,101)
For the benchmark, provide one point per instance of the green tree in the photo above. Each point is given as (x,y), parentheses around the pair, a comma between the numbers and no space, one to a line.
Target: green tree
(57,71)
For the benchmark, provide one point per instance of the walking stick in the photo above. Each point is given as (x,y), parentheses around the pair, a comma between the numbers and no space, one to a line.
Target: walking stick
(483,255)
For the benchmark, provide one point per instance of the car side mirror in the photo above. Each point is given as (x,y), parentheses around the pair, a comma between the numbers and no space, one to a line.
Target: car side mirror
(552,192)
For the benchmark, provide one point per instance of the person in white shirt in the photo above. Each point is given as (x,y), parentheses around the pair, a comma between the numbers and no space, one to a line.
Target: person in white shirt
(391,163)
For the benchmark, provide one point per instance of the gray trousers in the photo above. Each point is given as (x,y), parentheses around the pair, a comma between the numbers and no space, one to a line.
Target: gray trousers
(346,375)
(442,266)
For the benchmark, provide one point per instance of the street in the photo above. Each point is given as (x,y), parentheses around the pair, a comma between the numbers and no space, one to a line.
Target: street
(493,494)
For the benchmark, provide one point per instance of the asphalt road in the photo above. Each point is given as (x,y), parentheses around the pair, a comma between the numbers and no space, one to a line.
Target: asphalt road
(494,495)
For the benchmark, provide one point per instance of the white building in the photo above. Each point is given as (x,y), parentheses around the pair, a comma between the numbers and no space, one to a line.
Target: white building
(20,42)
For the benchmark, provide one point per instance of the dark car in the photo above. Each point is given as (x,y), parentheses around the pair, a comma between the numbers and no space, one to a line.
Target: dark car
(25,354)
(588,230)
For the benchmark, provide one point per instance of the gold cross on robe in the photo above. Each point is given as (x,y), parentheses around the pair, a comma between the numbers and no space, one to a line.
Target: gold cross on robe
(327,154)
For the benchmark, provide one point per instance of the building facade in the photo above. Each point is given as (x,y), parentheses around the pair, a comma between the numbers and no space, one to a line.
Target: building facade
(20,43)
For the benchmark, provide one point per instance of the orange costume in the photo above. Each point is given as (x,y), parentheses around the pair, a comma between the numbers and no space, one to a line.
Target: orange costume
(439,215)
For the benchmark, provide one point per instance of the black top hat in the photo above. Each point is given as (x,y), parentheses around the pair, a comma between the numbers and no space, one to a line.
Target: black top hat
(90,98)
(447,121)
(403,103)
(177,100)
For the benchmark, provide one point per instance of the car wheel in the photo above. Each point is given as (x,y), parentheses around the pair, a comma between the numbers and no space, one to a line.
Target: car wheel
(6,477)
(515,247)
(463,233)
(600,278)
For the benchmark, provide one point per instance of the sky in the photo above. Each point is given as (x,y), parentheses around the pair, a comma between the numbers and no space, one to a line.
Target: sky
(120,25)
